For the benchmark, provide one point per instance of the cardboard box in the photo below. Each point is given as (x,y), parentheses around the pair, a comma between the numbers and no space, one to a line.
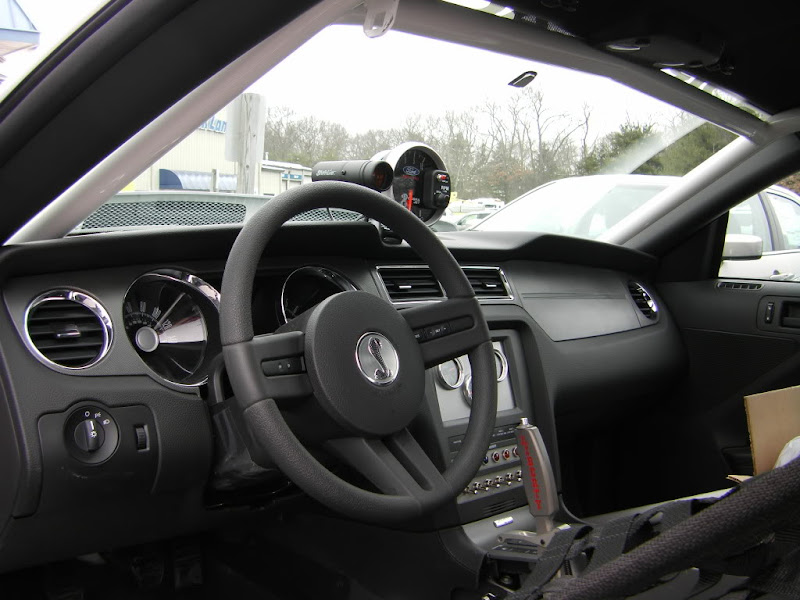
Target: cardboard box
(773,419)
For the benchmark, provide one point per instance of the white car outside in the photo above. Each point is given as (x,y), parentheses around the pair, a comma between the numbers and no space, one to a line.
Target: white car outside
(588,206)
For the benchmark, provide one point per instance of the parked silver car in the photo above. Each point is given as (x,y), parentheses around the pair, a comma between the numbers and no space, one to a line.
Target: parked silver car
(762,238)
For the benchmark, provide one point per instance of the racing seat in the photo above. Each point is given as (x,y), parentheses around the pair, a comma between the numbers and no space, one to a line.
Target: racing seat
(742,546)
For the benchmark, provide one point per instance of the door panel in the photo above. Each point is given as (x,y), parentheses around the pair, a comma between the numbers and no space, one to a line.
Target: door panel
(736,347)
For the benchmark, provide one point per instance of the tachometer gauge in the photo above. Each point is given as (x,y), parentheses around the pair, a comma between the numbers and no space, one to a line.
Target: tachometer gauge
(306,287)
(451,374)
(171,319)
(408,184)
(421,183)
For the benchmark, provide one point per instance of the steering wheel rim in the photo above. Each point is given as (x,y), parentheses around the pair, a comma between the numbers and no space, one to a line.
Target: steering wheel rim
(378,446)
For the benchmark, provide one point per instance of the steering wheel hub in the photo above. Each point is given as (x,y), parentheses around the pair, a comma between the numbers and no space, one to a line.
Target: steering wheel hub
(357,358)
(364,364)
(377,358)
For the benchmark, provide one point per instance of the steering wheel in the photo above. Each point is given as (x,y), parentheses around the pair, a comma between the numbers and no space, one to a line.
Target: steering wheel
(354,366)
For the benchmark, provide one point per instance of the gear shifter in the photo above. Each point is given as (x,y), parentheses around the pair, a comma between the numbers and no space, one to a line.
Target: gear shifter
(537,476)
(540,489)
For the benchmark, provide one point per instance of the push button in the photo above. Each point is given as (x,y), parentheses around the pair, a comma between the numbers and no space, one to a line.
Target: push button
(291,365)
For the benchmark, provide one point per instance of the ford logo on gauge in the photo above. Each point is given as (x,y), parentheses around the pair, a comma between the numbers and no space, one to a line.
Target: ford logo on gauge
(411,170)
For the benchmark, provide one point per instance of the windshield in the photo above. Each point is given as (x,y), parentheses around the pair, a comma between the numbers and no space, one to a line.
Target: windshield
(579,206)
(497,141)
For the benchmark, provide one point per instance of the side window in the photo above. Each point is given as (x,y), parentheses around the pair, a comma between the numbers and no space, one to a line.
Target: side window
(787,215)
(748,218)
(774,217)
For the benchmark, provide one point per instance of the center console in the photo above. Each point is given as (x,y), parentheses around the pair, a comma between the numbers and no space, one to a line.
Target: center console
(497,485)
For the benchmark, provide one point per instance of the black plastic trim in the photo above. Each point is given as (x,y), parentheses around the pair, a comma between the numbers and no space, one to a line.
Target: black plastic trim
(355,240)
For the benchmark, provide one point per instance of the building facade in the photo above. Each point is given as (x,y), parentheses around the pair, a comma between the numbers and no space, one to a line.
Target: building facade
(199,163)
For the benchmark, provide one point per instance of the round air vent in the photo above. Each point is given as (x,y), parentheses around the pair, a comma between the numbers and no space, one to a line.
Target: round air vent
(68,329)
(644,301)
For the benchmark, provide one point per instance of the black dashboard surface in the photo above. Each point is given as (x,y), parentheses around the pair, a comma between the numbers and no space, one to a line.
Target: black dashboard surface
(353,240)
(569,323)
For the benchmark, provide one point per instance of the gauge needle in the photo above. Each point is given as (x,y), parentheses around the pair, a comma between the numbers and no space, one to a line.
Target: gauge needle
(410,200)
(168,311)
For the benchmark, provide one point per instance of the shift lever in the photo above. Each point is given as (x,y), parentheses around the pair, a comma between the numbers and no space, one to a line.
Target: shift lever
(537,476)
(540,490)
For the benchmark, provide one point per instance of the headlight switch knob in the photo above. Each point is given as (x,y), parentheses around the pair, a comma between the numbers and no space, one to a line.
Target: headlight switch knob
(89,435)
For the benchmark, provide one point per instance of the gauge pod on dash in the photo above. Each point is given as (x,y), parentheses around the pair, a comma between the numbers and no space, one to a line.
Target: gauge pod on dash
(171,319)
(421,182)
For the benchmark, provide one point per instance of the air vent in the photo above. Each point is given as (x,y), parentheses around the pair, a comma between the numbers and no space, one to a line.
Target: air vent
(644,301)
(410,284)
(738,285)
(68,329)
(488,282)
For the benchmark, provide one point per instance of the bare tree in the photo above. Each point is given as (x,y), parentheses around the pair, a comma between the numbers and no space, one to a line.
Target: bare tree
(496,150)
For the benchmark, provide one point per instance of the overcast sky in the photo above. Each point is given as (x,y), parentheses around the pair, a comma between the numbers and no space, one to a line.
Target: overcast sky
(54,19)
(343,76)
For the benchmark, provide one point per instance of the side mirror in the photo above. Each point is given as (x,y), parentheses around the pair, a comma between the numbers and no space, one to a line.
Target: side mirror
(739,246)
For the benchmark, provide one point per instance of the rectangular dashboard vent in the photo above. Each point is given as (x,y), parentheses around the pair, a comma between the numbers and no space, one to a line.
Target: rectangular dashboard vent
(738,285)
(415,283)
(488,282)
(409,284)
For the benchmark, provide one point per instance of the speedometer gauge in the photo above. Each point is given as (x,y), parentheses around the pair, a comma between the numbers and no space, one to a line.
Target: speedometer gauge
(172,322)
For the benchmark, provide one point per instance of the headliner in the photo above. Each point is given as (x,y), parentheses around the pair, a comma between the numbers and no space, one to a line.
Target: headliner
(754,47)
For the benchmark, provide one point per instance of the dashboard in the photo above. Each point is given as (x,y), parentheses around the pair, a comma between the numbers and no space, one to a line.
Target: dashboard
(133,433)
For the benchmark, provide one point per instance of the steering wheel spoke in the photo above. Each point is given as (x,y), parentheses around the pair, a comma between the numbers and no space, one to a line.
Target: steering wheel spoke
(395,465)
(366,368)
(447,329)
(271,366)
